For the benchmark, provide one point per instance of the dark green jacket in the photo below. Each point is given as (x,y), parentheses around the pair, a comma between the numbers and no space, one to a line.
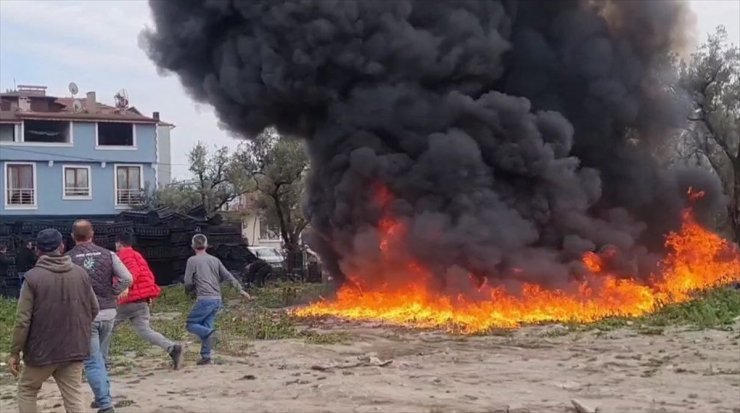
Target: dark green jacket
(55,313)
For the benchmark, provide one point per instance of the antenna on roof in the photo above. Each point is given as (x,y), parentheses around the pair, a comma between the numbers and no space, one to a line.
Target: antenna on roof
(121,98)
(77,106)
(73,89)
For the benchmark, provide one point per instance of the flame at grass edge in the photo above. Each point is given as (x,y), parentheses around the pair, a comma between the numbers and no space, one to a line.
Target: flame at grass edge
(697,260)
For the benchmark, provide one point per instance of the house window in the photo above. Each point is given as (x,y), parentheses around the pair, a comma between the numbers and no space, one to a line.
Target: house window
(268,233)
(77,182)
(7,132)
(116,134)
(20,185)
(129,185)
(46,131)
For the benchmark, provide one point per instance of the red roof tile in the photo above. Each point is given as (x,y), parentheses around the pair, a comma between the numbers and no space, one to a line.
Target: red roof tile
(101,112)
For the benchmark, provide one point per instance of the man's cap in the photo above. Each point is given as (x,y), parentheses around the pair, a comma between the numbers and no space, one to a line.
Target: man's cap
(48,240)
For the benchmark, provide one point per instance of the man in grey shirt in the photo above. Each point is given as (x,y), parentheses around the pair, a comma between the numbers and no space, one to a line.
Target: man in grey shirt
(110,280)
(204,274)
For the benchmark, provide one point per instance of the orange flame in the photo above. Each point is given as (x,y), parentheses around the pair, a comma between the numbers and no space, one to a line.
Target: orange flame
(697,260)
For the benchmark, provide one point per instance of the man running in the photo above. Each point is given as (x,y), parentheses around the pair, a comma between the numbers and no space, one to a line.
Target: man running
(204,274)
(134,307)
(110,280)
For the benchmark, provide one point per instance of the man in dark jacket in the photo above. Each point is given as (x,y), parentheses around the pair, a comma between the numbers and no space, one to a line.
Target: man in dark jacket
(5,261)
(258,271)
(110,280)
(52,327)
(25,259)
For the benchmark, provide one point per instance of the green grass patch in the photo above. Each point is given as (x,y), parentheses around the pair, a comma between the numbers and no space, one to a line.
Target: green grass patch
(710,309)
(288,294)
(7,319)
(263,319)
(715,308)
(238,323)
(256,324)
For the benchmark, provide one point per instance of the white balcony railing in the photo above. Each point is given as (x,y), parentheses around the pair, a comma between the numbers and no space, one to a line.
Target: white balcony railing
(76,191)
(129,197)
(21,196)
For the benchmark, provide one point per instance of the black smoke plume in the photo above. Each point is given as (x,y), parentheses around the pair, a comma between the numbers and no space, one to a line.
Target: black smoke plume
(513,135)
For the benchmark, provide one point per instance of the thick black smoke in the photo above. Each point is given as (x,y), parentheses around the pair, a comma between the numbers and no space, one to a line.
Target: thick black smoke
(513,135)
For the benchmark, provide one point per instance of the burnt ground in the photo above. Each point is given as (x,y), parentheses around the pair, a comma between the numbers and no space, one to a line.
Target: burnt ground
(381,369)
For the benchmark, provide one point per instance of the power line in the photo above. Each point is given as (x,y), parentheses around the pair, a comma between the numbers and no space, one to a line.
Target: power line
(82,158)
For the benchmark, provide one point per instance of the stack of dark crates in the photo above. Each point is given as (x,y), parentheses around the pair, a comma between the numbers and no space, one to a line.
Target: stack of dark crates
(162,235)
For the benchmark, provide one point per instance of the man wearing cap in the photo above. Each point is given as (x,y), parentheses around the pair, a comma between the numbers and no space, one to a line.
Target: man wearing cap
(110,280)
(54,317)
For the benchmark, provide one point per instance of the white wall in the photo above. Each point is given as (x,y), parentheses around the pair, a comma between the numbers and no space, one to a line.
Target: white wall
(251,229)
(164,149)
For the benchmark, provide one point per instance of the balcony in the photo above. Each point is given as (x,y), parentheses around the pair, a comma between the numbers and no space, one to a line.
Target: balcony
(77,191)
(20,197)
(129,197)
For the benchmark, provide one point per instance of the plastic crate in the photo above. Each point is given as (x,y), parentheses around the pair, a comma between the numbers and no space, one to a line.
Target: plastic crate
(6,229)
(113,228)
(140,217)
(181,237)
(177,223)
(34,227)
(182,252)
(154,253)
(144,231)
(179,266)
(217,239)
(8,241)
(224,229)
(64,228)
(10,286)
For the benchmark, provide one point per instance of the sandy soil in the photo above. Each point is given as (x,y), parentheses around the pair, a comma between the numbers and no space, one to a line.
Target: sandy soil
(538,369)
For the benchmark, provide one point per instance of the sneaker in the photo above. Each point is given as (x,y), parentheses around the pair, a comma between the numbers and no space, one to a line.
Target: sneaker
(108,410)
(94,405)
(204,362)
(176,354)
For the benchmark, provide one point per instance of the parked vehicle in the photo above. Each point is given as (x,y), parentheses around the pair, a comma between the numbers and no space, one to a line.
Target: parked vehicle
(270,255)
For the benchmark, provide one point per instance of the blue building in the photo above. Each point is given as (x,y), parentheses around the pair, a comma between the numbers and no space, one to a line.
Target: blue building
(76,157)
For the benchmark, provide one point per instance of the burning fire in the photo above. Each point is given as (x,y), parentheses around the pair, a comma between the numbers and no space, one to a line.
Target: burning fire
(697,260)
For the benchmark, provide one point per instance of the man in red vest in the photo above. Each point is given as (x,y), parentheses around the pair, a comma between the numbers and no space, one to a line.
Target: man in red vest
(135,306)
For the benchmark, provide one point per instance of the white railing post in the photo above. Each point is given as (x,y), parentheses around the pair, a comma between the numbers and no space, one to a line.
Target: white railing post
(20,196)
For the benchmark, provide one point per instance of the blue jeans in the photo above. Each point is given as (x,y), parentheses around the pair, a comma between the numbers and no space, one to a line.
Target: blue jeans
(95,370)
(202,323)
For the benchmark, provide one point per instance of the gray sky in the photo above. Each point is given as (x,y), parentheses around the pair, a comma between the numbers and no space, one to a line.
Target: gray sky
(95,44)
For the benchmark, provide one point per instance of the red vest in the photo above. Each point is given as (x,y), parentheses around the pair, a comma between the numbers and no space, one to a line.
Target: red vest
(144,286)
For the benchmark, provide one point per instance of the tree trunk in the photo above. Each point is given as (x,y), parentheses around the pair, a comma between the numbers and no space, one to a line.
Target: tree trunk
(289,243)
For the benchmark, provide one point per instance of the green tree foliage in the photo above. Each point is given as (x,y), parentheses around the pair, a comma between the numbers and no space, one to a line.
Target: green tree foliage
(712,78)
(216,181)
(276,166)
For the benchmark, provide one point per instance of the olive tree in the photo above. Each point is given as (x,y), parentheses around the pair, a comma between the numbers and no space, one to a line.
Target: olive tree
(215,181)
(277,166)
(712,78)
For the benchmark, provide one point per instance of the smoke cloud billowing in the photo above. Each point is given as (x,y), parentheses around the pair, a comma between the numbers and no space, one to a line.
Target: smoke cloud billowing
(513,135)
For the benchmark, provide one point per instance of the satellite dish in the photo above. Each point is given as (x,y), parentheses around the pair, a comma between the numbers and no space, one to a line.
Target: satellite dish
(77,106)
(73,89)
(121,99)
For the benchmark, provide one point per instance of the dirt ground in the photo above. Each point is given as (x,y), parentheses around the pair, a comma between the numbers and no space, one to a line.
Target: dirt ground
(534,369)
